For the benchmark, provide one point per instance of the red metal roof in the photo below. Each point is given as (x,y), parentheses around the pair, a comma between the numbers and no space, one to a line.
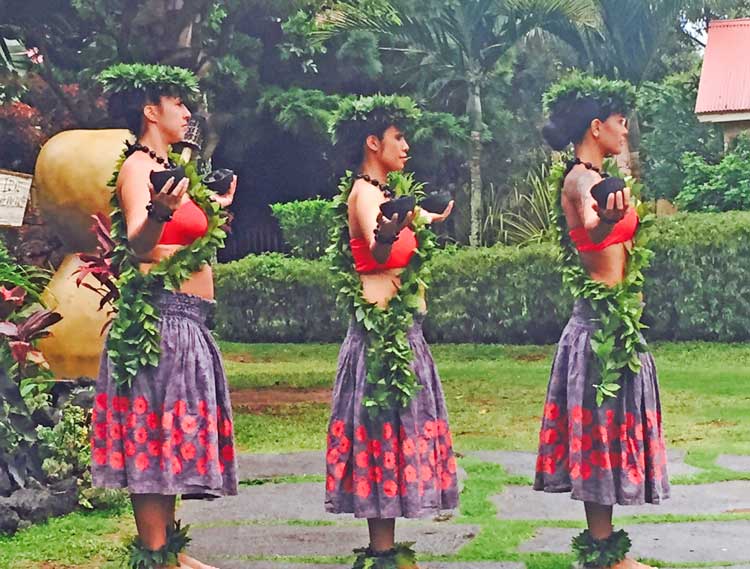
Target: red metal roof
(725,78)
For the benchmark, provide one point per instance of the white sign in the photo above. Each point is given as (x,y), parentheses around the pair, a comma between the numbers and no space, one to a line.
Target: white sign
(14,194)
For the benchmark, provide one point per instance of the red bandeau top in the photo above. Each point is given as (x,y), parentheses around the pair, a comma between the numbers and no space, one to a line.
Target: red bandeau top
(189,222)
(401,253)
(622,232)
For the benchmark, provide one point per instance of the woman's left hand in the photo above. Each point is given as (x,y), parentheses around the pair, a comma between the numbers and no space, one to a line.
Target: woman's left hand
(437,217)
(227,199)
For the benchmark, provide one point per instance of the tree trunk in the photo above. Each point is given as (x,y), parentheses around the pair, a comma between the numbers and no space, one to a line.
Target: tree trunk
(474,110)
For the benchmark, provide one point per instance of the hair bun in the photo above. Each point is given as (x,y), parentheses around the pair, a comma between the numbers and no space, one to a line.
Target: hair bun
(556,136)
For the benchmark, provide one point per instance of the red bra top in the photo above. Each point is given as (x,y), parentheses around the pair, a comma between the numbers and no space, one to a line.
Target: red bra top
(622,232)
(401,253)
(188,223)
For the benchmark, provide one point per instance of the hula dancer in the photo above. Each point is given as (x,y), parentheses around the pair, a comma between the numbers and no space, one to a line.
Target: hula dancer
(601,437)
(162,422)
(390,452)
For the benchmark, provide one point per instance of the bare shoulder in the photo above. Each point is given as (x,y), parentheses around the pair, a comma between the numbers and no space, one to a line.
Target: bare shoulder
(579,182)
(134,174)
(364,192)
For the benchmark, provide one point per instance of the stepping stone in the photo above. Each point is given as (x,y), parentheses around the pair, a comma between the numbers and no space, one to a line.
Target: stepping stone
(518,463)
(524,503)
(696,542)
(736,462)
(515,463)
(296,540)
(265,502)
(238,564)
(308,463)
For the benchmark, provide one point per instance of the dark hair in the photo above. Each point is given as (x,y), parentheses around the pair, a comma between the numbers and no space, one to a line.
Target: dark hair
(570,119)
(127,106)
(351,146)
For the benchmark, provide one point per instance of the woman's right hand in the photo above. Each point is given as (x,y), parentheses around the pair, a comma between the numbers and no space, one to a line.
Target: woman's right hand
(169,197)
(389,228)
(618,204)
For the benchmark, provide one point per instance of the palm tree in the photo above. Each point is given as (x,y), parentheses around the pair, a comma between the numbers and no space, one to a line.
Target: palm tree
(460,43)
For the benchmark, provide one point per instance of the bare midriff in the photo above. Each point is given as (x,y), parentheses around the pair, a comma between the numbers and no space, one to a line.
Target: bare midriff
(380,287)
(200,283)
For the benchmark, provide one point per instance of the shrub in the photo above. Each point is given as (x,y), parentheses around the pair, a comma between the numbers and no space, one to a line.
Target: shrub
(305,225)
(669,128)
(723,186)
(696,289)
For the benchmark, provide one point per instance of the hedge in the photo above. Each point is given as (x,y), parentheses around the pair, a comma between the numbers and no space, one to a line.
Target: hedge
(698,288)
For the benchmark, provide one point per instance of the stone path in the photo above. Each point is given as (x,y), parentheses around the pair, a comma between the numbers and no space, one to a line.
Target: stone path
(275,520)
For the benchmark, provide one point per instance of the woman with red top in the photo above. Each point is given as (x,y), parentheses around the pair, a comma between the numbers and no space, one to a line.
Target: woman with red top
(400,463)
(613,452)
(169,432)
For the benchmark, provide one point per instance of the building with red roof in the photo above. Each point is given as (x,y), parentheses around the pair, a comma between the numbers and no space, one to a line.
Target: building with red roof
(724,90)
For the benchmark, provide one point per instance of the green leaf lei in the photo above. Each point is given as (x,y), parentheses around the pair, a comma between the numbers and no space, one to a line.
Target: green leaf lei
(401,555)
(600,553)
(389,356)
(143,558)
(134,339)
(618,342)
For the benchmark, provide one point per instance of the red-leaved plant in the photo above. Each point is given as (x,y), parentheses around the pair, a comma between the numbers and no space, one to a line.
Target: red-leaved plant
(100,264)
(21,333)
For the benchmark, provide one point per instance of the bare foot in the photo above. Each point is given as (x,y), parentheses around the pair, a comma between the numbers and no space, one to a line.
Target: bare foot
(630,563)
(189,563)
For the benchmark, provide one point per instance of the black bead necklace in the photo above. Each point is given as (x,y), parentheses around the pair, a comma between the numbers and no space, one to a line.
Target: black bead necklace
(138,147)
(588,165)
(385,188)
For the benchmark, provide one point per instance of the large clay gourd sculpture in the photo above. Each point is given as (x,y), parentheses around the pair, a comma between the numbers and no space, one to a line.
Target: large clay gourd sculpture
(71,178)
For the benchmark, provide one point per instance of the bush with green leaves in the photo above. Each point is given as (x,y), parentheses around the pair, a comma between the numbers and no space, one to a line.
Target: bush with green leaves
(306,226)
(722,186)
(669,128)
(698,288)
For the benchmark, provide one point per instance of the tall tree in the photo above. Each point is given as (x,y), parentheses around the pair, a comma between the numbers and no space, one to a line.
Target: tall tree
(457,44)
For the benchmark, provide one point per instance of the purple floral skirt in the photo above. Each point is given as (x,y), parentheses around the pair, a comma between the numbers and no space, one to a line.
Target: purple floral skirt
(608,454)
(400,464)
(171,432)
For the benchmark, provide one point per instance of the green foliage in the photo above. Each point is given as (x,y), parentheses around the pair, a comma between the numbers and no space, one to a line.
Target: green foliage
(143,558)
(306,225)
(149,77)
(669,128)
(65,447)
(402,555)
(723,186)
(695,289)
(528,218)
(359,55)
(616,95)
(597,553)
(300,111)
(698,286)
(292,300)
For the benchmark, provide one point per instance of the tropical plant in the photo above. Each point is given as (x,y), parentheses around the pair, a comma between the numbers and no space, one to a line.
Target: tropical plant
(528,216)
(458,45)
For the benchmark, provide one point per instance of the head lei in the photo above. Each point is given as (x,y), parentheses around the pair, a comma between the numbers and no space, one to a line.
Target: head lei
(152,79)
(579,98)
(358,117)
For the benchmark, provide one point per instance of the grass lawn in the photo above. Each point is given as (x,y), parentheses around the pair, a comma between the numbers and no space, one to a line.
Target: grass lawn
(494,394)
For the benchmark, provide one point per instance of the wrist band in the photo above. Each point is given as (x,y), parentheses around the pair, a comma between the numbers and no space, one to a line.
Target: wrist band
(160,217)
(607,221)
(384,240)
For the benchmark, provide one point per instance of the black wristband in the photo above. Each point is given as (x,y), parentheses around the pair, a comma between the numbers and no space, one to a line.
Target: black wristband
(384,240)
(161,217)
(607,221)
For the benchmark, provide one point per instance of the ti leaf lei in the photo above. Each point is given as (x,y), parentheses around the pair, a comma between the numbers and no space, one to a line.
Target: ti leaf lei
(618,342)
(134,339)
(389,355)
